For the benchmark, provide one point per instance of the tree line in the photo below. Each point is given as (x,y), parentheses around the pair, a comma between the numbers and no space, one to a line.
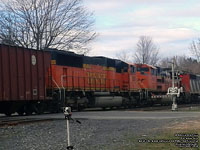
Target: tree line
(147,52)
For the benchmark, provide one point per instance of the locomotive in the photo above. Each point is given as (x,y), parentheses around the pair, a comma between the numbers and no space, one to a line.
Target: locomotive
(41,81)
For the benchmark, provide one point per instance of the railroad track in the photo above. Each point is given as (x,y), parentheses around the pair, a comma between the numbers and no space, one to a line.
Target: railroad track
(15,120)
(168,107)
(12,121)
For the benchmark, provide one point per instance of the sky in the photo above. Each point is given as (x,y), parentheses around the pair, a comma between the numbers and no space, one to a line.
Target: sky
(172,24)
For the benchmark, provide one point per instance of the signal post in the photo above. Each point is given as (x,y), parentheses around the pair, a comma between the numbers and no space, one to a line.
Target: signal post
(173,91)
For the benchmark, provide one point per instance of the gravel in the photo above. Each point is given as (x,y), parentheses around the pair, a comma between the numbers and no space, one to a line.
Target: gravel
(92,134)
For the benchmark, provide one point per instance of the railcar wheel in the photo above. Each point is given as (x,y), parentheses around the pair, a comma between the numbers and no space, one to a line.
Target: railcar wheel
(39,108)
(21,113)
(28,113)
(39,111)
(103,108)
(28,110)
(8,114)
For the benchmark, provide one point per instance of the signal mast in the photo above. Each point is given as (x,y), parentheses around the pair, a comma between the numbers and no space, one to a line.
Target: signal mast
(173,91)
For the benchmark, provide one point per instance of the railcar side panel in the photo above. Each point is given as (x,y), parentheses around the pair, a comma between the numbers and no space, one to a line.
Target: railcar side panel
(6,74)
(1,74)
(22,73)
(185,83)
(194,84)
(13,72)
(28,74)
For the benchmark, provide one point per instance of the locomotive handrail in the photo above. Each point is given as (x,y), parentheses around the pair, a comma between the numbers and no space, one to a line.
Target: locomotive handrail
(62,76)
(57,87)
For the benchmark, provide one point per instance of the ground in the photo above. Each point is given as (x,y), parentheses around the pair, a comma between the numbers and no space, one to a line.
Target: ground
(99,130)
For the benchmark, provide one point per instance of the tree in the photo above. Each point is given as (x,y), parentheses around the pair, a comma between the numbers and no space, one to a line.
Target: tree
(41,24)
(181,63)
(165,62)
(146,51)
(195,48)
(123,55)
(187,64)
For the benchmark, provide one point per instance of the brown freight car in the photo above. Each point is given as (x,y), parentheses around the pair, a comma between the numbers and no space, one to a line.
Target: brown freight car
(22,79)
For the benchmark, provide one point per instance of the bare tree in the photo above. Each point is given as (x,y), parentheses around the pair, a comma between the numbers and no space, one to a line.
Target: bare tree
(146,51)
(195,48)
(187,64)
(41,24)
(183,63)
(165,62)
(123,55)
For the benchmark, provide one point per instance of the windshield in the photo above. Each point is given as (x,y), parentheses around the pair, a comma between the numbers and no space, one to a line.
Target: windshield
(144,69)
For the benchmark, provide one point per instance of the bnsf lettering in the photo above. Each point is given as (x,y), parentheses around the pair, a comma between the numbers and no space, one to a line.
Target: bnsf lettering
(96,78)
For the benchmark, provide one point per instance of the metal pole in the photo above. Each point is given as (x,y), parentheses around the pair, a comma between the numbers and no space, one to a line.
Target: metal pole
(62,76)
(174,105)
(67,114)
(173,74)
(68,137)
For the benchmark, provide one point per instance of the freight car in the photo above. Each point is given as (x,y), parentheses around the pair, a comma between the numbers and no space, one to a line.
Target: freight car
(38,81)
(190,84)
(22,79)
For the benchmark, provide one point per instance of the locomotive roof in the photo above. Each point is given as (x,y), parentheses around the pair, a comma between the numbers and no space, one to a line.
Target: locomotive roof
(63,52)
(148,65)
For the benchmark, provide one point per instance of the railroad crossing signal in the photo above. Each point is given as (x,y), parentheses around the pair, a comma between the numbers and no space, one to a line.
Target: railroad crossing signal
(174,91)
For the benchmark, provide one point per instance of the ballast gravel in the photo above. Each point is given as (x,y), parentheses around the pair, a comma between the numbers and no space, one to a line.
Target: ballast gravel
(91,134)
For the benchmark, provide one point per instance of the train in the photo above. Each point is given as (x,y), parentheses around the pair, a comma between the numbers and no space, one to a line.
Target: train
(38,81)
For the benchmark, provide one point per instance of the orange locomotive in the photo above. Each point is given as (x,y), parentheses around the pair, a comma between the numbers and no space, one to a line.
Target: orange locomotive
(81,81)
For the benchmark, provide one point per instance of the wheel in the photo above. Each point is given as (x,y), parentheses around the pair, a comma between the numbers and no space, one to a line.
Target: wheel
(104,108)
(28,110)
(8,113)
(21,113)
(38,109)
(28,113)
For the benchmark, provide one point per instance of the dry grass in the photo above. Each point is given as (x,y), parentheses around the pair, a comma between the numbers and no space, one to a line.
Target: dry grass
(188,127)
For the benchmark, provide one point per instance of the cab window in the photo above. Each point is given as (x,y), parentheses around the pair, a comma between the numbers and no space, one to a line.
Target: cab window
(125,69)
(143,69)
(153,72)
(132,69)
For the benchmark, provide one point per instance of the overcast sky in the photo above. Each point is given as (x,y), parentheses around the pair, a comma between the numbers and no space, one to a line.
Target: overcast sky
(172,24)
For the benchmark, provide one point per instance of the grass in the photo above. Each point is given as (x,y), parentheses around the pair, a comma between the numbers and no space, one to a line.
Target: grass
(165,134)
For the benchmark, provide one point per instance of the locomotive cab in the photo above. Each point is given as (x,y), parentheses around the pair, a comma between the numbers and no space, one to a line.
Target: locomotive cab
(146,76)
(132,77)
